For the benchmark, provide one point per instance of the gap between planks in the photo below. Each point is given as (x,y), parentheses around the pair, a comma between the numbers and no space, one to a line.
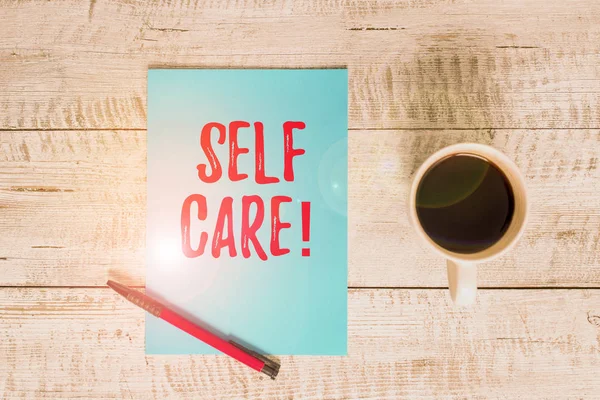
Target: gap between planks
(349,129)
(349,287)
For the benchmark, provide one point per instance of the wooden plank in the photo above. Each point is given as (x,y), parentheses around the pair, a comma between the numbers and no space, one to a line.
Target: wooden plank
(425,64)
(89,343)
(72,208)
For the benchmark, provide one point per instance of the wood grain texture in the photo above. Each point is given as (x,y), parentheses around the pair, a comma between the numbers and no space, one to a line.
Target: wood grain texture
(522,76)
(412,64)
(72,208)
(89,343)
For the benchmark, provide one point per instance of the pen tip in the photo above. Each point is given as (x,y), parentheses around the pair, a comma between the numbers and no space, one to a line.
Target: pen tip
(117,287)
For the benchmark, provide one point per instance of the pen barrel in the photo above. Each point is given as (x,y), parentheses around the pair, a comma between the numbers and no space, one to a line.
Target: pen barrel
(211,339)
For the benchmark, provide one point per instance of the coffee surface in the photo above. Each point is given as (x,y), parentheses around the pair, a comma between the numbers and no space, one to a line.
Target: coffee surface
(464,203)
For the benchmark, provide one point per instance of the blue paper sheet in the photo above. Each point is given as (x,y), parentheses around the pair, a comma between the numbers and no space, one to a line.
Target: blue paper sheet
(287,304)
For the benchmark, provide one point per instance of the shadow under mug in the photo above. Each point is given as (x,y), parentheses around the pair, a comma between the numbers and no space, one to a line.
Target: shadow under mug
(462,270)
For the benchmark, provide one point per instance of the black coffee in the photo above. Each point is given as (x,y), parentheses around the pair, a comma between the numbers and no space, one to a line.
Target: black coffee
(465,203)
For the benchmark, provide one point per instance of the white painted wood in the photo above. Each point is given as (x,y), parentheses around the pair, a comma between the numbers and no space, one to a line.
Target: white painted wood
(89,343)
(412,64)
(72,207)
(72,200)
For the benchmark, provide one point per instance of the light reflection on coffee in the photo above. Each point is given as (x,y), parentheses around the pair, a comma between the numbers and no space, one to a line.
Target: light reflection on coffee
(465,203)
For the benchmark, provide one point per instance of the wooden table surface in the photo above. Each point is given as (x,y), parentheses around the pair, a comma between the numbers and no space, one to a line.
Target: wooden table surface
(522,76)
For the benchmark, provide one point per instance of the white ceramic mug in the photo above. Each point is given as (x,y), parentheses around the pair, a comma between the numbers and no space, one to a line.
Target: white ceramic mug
(462,270)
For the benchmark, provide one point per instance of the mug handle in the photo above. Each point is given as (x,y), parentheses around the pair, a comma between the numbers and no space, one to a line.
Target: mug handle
(462,281)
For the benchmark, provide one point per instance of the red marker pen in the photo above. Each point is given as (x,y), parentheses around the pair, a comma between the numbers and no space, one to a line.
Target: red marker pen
(231,348)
